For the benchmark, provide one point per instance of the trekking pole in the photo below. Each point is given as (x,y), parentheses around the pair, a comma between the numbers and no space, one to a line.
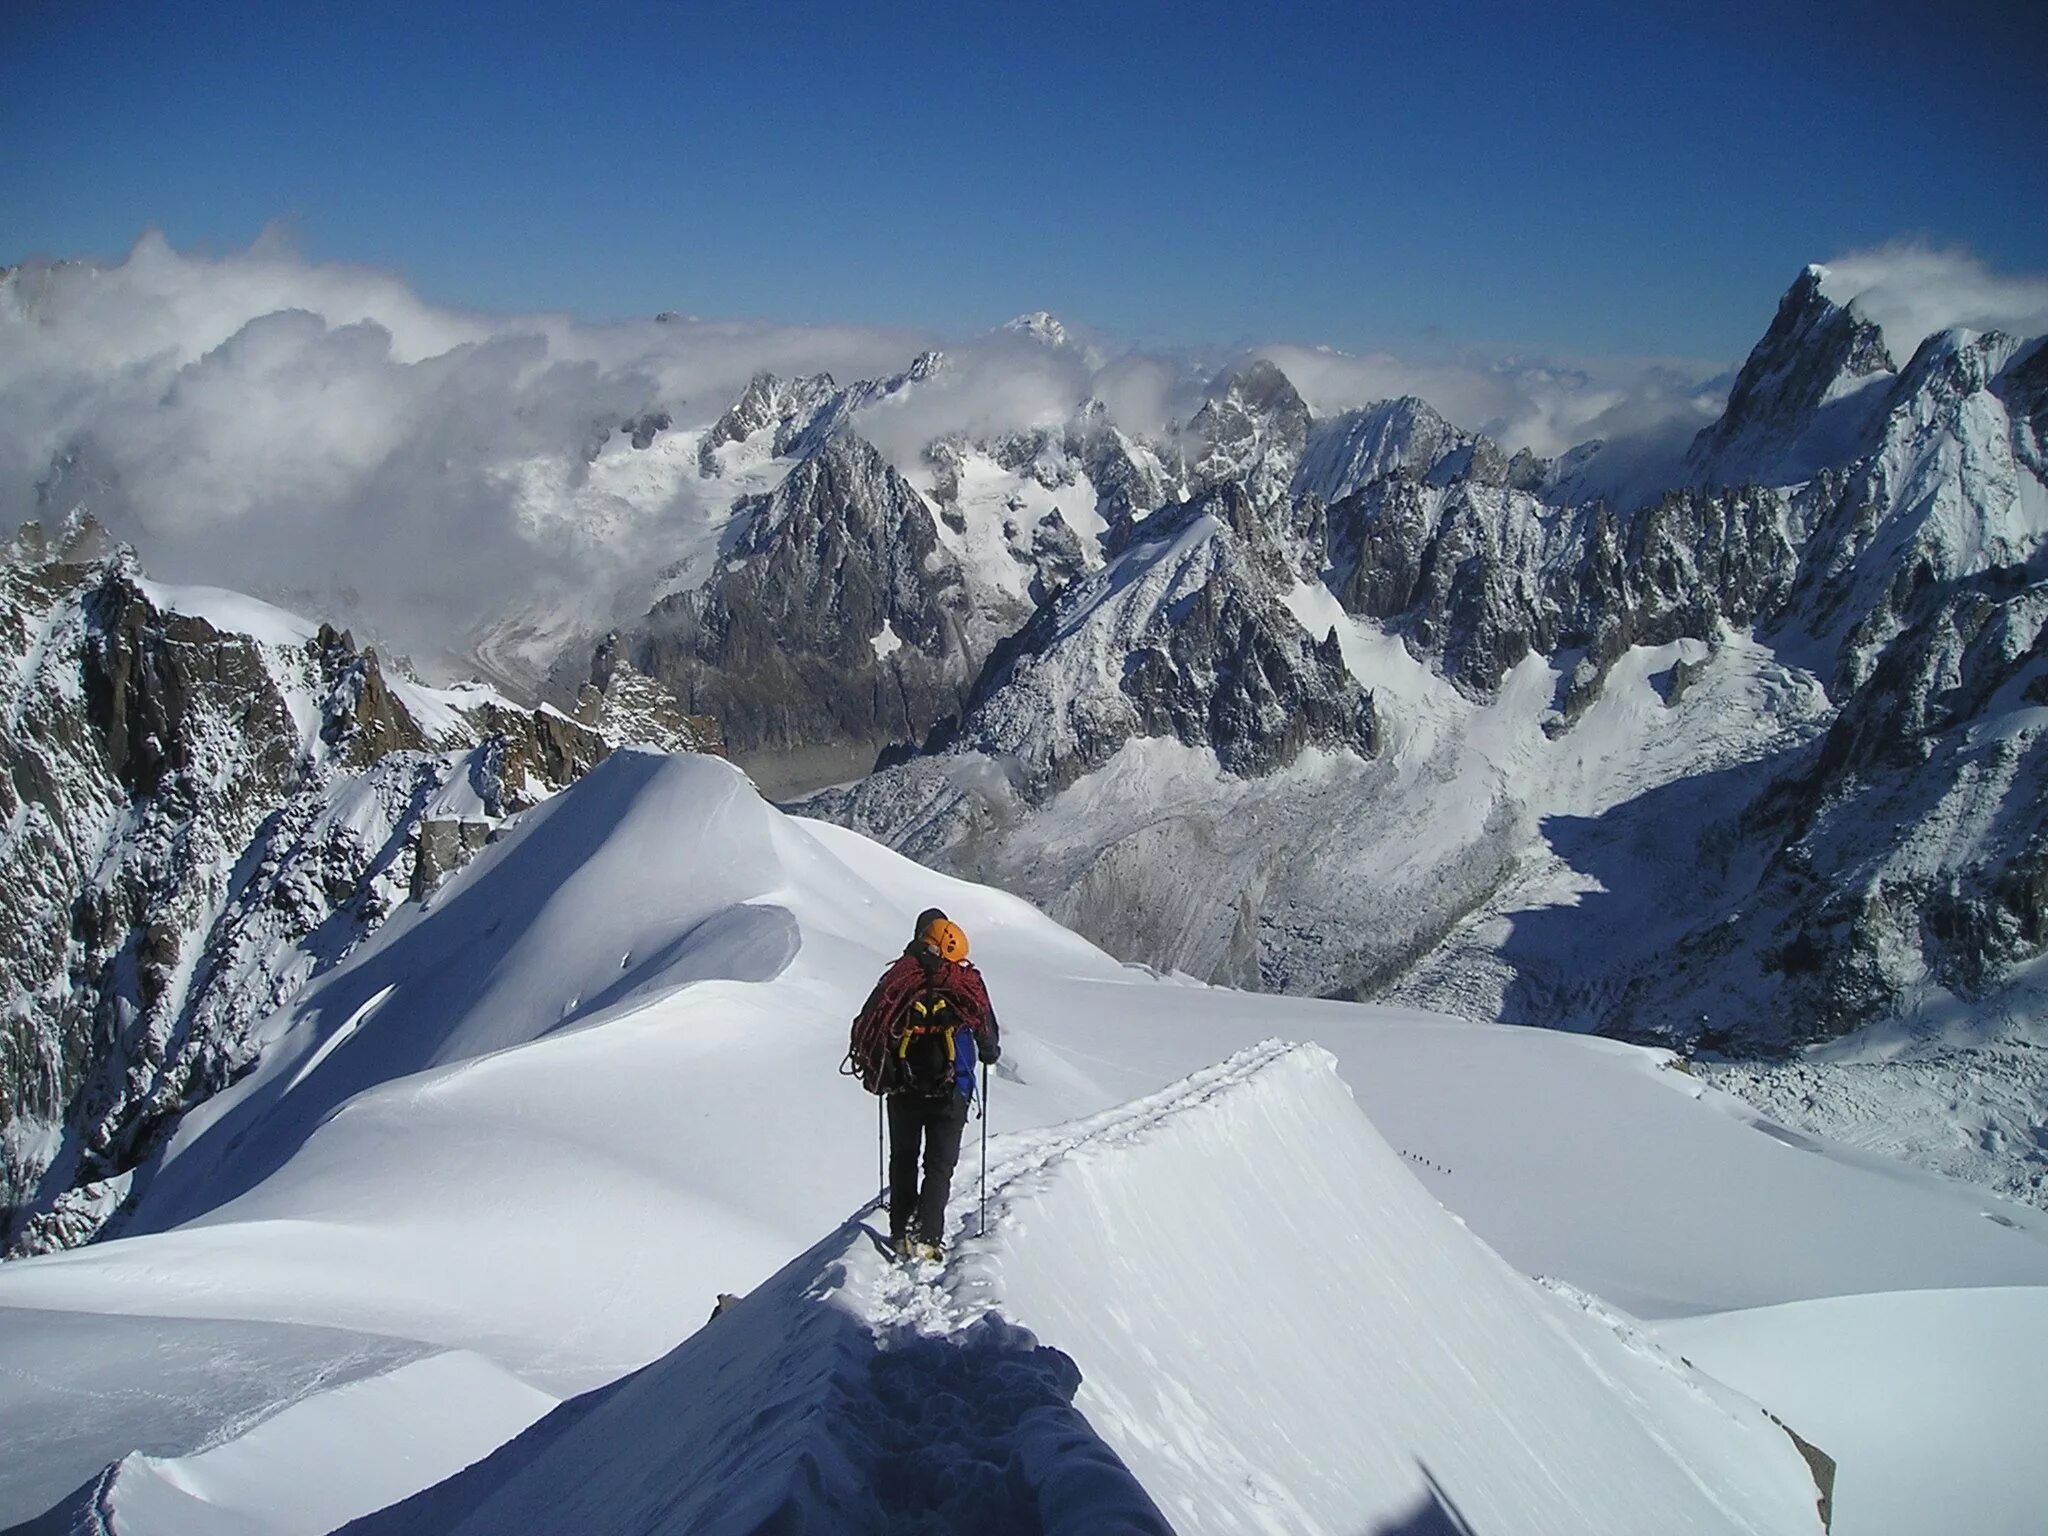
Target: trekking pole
(984,1150)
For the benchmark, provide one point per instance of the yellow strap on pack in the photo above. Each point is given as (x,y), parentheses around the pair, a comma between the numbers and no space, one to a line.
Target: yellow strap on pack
(903,1044)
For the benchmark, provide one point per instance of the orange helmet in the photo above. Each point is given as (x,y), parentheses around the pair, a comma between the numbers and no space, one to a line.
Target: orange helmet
(946,937)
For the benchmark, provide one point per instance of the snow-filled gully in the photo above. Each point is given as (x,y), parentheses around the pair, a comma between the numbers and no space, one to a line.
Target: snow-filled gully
(1264,1323)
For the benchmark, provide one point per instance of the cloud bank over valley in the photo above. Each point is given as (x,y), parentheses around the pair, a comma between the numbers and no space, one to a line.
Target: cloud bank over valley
(320,435)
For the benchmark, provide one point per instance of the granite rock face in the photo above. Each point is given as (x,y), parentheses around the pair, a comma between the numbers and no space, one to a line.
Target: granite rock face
(1183,635)
(196,822)
(836,615)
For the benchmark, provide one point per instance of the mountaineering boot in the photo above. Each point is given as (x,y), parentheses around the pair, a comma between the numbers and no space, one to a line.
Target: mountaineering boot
(899,1243)
(931,1253)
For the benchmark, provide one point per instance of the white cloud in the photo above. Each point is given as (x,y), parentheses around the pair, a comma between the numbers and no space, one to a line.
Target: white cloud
(319,434)
(1912,290)
(1544,406)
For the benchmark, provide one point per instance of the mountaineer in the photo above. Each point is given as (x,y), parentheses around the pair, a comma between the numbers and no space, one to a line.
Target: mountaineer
(916,1042)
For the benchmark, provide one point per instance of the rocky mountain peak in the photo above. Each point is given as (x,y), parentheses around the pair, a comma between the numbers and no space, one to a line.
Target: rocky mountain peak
(1183,635)
(836,621)
(1346,452)
(1253,430)
(1809,394)
(785,407)
(1954,363)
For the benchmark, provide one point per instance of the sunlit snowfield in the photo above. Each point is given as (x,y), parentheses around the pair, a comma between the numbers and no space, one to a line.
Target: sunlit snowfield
(516,1145)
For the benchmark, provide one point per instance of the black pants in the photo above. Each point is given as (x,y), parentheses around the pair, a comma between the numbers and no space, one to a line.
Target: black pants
(938,1123)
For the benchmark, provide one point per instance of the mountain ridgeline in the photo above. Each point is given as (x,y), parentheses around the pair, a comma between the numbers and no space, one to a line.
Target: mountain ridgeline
(1357,705)
(1835,607)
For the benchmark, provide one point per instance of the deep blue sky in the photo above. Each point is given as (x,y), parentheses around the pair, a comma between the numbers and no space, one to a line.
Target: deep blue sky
(1594,179)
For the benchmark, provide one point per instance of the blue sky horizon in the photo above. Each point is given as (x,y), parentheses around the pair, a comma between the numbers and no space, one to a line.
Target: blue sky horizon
(1591,180)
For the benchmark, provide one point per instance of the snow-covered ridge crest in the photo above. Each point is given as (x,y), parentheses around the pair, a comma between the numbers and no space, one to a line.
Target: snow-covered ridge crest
(505,1126)
(1058,1342)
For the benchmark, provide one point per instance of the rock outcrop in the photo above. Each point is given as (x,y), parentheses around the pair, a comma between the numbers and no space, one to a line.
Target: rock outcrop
(837,616)
(196,821)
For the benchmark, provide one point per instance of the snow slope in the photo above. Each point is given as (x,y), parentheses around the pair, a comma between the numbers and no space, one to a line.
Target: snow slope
(1969,1367)
(282,1475)
(1408,1366)
(544,1118)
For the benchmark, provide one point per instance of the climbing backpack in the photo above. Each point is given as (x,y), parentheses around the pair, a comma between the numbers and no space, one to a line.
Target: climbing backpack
(912,1025)
(924,1052)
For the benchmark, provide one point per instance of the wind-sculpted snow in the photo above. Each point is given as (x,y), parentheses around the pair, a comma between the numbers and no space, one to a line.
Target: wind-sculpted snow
(1974,1360)
(480,966)
(1392,1366)
(270,1477)
(611,1044)
(1404,1360)
(81,1385)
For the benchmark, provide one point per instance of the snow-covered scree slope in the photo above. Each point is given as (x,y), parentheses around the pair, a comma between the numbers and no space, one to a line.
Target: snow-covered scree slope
(541,1119)
(1393,1370)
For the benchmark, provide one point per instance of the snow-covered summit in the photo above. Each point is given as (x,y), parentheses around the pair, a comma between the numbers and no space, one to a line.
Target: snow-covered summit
(1040,326)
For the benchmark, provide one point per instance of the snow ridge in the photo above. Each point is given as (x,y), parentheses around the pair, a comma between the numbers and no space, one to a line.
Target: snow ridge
(850,1393)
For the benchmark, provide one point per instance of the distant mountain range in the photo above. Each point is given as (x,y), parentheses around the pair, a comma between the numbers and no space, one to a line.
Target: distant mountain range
(1357,705)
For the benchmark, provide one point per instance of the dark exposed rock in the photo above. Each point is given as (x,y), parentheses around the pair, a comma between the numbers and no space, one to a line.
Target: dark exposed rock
(803,414)
(443,847)
(1253,432)
(836,616)
(2023,386)
(1232,675)
(1480,575)
(179,858)
(624,705)
(1795,394)
(1189,623)
(1869,890)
